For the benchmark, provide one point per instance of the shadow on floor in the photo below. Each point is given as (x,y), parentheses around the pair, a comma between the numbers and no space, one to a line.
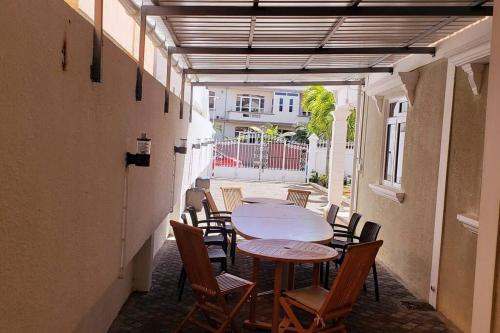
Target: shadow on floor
(159,311)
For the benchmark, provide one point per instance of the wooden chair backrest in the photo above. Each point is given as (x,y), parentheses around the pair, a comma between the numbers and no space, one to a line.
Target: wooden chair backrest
(349,281)
(195,258)
(332,214)
(232,197)
(369,233)
(353,223)
(211,202)
(298,197)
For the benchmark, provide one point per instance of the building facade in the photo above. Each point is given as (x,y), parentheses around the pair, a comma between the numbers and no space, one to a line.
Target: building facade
(235,110)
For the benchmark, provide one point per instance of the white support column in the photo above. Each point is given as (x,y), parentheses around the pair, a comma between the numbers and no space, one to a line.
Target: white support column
(311,155)
(337,154)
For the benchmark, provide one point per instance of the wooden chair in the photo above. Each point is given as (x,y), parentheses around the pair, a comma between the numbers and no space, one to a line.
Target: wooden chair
(369,233)
(232,197)
(215,254)
(210,290)
(331,308)
(298,197)
(213,211)
(226,217)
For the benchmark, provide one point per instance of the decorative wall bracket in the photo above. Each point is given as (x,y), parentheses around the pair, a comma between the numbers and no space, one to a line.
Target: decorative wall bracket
(475,76)
(405,82)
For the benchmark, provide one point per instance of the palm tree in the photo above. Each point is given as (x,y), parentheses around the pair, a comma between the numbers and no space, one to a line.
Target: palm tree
(320,102)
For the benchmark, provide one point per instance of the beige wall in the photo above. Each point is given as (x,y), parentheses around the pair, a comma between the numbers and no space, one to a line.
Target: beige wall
(458,251)
(407,228)
(63,140)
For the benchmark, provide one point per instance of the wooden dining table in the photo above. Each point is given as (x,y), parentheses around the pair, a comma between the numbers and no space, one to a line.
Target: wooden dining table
(263,200)
(286,235)
(272,221)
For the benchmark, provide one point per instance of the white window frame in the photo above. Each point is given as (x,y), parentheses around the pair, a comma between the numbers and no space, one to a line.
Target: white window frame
(211,97)
(396,120)
(251,98)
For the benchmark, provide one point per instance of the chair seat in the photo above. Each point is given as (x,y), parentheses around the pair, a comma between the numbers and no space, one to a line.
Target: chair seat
(228,283)
(216,253)
(337,243)
(214,239)
(312,297)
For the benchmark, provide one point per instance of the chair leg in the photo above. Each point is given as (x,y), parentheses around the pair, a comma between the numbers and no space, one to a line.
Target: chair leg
(223,265)
(185,320)
(321,271)
(375,280)
(182,282)
(327,275)
(233,247)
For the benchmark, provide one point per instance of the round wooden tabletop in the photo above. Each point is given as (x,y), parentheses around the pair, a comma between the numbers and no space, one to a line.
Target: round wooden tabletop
(273,201)
(267,221)
(283,250)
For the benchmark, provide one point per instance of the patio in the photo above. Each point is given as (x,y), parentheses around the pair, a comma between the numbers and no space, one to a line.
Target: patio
(159,310)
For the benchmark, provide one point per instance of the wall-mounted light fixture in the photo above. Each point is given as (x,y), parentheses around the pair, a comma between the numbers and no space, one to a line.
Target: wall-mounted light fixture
(197,145)
(142,158)
(181,147)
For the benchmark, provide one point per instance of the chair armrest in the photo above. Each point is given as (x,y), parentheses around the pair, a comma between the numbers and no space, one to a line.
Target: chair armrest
(210,221)
(221,212)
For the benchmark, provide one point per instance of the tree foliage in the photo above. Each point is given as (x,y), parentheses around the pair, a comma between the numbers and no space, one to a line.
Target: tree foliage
(351,125)
(319,102)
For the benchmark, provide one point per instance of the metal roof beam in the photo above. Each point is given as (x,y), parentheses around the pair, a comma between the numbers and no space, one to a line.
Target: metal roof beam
(280,83)
(318,11)
(263,71)
(305,51)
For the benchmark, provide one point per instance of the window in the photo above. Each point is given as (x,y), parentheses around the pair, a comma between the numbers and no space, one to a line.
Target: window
(211,101)
(395,142)
(280,107)
(290,105)
(250,103)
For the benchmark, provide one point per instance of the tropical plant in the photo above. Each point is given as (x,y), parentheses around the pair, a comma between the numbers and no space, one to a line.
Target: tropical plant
(301,134)
(319,102)
(351,125)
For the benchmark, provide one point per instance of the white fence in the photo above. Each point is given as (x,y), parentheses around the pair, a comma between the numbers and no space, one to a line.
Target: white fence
(258,156)
(321,158)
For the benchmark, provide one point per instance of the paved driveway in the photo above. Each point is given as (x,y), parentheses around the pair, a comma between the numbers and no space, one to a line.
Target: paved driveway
(317,200)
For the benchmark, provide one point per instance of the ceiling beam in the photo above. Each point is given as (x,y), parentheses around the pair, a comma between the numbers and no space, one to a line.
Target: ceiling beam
(305,51)
(289,70)
(279,83)
(318,11)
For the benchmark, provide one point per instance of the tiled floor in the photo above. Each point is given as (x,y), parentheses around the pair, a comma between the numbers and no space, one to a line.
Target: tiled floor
(159,310)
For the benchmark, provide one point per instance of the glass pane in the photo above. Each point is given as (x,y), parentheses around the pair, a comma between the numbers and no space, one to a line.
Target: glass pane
(262,103)
(211,104)
(400,151)
(404,107)
(245,104)
(255,105)
(392,106)
(281,105)
(389,152)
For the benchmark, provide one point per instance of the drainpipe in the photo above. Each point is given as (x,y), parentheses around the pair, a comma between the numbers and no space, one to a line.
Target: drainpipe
(359,148)
(124,224)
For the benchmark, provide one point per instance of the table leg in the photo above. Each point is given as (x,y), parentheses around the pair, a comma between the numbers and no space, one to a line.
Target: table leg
(255,277)
(315,277)
(291,276)
(278,274)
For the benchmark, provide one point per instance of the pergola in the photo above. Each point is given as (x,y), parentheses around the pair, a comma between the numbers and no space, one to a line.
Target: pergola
(299,42)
